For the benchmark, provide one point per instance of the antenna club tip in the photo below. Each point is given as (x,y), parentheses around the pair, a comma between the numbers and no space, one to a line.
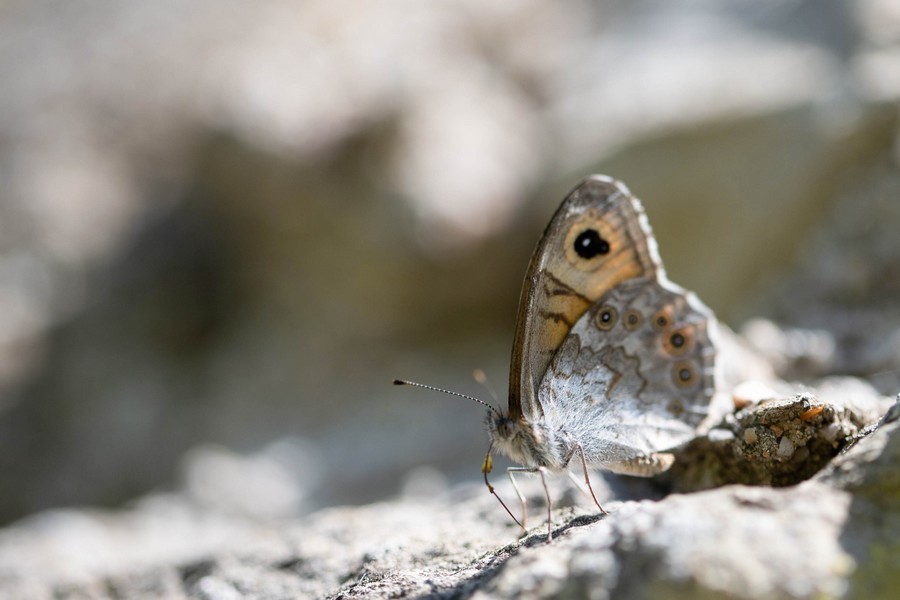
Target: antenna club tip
(399,382)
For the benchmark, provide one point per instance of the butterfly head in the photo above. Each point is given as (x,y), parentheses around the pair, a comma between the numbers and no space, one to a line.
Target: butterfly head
(501,426)
(519,440)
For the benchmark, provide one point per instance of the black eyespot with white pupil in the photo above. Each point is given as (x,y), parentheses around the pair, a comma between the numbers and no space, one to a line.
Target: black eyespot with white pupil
(606,317)
(684,374)
(589,244)
(678,342)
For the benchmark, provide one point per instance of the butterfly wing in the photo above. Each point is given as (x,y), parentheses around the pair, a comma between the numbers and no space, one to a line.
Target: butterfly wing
(635,375)
(598,238)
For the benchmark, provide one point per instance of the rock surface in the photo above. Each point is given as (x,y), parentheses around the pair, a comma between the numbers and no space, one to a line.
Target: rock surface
(777,442)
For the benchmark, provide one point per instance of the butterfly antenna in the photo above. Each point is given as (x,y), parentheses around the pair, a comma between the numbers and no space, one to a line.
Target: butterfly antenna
(452,393)
(481,377)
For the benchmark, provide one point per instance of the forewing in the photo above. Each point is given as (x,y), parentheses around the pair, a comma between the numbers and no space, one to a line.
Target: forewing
(567,276)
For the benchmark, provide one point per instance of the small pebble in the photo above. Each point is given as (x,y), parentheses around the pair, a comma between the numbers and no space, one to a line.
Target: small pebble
(830,432)
(720,436)
(785,448)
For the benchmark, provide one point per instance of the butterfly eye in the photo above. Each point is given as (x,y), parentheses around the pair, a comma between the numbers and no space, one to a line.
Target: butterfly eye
(677,342)
(589,244)
(606,318)
(633,320)
(505,428)
(684,374)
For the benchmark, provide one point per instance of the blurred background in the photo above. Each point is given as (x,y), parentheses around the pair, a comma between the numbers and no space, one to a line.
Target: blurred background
(226,226)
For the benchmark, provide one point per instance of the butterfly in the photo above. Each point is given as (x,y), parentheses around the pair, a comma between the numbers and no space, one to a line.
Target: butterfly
(612,364)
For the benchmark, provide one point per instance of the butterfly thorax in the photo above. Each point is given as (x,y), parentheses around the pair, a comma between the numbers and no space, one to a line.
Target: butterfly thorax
(529,444)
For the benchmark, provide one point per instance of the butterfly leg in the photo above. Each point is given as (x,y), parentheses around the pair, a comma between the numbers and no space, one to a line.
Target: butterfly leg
(542,472)
(512,480)
(486,468)
(587,479)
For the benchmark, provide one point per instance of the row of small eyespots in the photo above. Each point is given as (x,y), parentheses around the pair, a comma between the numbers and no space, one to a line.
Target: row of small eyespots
(677,343)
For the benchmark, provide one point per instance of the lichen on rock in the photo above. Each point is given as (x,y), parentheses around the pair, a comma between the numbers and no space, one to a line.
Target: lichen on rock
(776,442)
